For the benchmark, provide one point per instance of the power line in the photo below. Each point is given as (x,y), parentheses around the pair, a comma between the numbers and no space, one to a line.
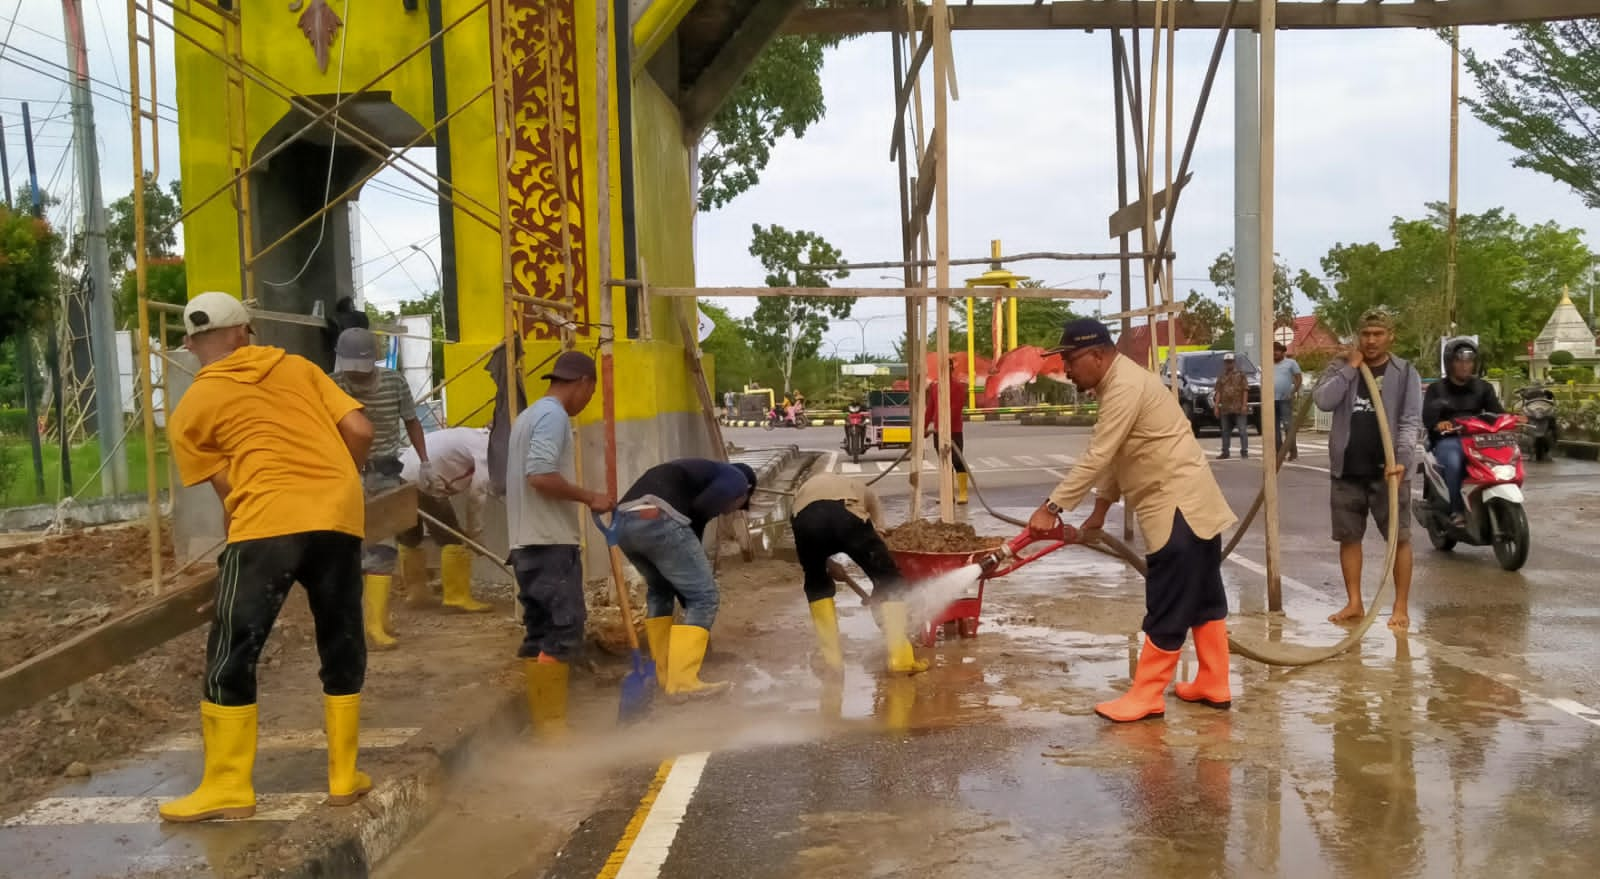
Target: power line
(67,73)
(120,98)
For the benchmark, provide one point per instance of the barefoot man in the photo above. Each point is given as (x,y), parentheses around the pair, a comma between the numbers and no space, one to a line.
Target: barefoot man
(1355,456)
(1144,448)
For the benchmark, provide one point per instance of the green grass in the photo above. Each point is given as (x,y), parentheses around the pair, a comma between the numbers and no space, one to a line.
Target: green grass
(17,486)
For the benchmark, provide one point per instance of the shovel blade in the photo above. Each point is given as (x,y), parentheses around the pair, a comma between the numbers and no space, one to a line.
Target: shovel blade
(638,689)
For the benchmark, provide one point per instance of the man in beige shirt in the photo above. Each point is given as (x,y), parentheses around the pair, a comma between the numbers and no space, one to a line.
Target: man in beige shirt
(1144,450)
(835,515)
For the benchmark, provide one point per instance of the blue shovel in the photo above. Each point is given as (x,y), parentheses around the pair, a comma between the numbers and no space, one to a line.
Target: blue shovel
(639,684)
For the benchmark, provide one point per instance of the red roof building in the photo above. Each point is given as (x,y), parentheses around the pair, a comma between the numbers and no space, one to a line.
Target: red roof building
(1311,335)
(1135,343)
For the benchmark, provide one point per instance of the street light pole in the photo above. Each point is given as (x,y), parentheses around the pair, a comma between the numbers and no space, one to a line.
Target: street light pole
(438,277)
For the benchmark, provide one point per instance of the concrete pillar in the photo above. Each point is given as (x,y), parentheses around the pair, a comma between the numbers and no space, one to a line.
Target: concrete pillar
(1246,194)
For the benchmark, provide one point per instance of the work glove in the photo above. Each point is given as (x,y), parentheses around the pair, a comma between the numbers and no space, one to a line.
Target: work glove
(425,479)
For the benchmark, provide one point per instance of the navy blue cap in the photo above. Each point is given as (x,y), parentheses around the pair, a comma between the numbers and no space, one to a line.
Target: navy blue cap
(1085,332)
(751,478)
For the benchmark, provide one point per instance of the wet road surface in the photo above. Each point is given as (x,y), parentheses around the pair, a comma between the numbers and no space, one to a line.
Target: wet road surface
(1466,747)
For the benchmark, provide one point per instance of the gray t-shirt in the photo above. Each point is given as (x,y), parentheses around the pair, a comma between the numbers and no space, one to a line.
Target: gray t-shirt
(541,442)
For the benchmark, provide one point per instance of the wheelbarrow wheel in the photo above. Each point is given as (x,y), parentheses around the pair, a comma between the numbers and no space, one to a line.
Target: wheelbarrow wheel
(969,627)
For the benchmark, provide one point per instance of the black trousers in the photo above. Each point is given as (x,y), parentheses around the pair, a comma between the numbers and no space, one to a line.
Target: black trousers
(1183,588)
(255,576)
(826,528)
(957,439)
(439,508)
(550,588)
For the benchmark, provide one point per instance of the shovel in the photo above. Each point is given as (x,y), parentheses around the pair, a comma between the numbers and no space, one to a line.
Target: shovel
(639,684)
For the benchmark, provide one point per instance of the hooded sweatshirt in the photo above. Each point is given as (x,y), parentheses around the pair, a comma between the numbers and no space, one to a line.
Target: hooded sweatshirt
(269,420)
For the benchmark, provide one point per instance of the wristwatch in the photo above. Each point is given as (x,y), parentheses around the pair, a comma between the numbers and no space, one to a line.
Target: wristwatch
(1054,510)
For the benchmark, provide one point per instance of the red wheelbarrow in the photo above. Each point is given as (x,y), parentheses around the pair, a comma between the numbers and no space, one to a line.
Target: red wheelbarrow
(963,612)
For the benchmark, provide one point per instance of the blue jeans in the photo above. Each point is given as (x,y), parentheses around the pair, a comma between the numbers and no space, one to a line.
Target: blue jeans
(674,567)
(1230,423)
(1447,451)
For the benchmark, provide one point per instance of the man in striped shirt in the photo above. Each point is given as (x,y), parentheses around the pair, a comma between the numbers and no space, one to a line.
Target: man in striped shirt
(386,397)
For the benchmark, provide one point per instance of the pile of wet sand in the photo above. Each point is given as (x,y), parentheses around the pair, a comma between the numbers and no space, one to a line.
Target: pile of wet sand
(927,535)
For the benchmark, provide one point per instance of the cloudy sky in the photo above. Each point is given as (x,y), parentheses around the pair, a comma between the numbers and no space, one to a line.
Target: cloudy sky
(1362,137)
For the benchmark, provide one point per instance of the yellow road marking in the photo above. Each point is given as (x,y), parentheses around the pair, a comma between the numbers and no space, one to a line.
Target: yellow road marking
(631,832)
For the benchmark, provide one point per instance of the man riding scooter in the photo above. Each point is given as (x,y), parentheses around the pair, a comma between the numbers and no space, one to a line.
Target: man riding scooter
(1460,393)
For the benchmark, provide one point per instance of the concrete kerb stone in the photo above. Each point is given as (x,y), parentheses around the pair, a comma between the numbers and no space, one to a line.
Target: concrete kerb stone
(410,785)
(1057,420)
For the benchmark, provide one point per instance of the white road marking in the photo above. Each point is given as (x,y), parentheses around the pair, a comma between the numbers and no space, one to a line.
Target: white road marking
(850,467)
(1028,461)
(654,842)
(1062,459)
(295,739)
(142,810)
(1566,706)
(833,460)
(991,463)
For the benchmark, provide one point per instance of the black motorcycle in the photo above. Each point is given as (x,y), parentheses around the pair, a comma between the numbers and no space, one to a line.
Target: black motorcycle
(855,432)
(1540,431)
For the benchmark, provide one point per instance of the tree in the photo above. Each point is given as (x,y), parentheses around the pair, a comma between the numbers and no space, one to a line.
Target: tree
(1205,322)
(428,305)
(29,250)
(165,280)
(1039,322)
(729,348)
(1543,99)
(1223,275)
(1509,278)
(787,328)
(780,94)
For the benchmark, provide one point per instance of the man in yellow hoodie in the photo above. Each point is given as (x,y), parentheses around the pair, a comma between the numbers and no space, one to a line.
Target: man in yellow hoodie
(282,446)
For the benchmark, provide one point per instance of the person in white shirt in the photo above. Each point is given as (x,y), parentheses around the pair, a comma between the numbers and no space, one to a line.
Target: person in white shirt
(457,464)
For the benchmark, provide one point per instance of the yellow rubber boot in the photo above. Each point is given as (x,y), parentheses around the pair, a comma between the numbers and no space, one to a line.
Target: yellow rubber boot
(225,790)
(375,604)
(961,488)
(547,696)
(658,631)
(902,659)
(683,669)
(414,574)
(825,616)
(341,717)
(455,572)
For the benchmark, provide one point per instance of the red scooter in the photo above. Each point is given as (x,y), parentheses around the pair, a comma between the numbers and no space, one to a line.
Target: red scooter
(1492,491)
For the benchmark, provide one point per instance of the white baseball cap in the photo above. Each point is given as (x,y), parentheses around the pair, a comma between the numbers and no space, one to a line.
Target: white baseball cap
(214,311)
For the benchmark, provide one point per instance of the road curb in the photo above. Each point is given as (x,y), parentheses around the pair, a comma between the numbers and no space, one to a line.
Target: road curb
(351,842)
(1058,420)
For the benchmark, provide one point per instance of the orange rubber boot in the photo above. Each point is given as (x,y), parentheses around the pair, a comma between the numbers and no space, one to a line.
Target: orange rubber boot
(1210,685)
(1147,696)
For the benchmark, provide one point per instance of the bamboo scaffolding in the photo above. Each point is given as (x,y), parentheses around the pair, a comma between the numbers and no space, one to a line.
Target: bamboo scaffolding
(1268,315)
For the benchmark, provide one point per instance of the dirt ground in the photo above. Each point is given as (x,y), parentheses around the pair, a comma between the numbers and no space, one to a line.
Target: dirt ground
(56,587)
(51,589)
(927,535)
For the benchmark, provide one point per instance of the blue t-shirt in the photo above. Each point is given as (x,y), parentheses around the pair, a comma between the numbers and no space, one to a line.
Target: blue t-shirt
(1283,373)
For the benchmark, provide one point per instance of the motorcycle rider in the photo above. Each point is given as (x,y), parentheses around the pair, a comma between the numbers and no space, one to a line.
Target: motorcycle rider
(1459,393)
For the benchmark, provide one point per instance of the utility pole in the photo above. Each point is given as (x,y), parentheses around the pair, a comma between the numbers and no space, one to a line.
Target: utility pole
(25,340)
(5,166)
(101,311)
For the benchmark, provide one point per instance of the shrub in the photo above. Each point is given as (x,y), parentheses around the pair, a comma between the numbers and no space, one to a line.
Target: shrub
(13,422)
(1577,375)
(1561,358)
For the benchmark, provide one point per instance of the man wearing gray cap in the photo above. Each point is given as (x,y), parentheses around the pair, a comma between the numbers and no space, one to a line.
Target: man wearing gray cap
(386,397)
(542,528)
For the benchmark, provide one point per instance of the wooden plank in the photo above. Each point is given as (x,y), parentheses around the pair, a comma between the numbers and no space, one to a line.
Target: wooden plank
(1203,15)
(903,95)
(1131,217)
(927,176)
(182,606)
(1175,308)
(691,353)
(882,292)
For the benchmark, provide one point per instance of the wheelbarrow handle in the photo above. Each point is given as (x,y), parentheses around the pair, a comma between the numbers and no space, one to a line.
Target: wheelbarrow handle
(1014,556)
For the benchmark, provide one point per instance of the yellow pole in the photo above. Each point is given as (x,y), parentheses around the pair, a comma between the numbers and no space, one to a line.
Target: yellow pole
(972,368)
(1011,325)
